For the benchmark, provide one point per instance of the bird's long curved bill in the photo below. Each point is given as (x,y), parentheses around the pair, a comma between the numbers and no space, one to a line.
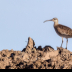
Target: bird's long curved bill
(47,20)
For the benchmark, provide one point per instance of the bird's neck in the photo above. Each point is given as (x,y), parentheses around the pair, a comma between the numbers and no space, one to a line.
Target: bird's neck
(55,23)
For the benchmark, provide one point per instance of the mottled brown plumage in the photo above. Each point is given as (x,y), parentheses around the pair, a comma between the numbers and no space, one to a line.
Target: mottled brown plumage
(61,30)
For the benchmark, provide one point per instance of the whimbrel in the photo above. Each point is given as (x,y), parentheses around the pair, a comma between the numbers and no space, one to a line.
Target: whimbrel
(61,30)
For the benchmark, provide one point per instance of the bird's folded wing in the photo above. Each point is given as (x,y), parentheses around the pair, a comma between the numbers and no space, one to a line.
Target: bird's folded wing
(64,30)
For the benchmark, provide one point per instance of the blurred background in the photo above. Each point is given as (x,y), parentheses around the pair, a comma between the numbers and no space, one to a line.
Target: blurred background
(20,19)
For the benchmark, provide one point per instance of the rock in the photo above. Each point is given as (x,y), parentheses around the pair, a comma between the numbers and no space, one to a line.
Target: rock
(48,55)
(36,58)
(30,45)
(39,48)
(48,48)
(64,53)
(37,63)
(26,57)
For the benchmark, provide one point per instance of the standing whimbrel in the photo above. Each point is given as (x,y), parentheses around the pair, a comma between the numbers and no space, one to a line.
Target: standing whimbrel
(61,30)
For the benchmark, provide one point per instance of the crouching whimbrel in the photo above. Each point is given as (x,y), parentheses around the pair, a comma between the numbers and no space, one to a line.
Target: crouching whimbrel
(61,30)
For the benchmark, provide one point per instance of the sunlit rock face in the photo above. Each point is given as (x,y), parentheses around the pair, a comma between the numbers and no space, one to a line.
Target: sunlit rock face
(36,58)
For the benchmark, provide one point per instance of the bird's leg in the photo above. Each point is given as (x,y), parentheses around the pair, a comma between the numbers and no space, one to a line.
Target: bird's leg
(62,42)
(66,43)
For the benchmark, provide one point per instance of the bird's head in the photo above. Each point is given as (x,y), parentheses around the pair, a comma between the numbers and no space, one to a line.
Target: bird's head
(54,20)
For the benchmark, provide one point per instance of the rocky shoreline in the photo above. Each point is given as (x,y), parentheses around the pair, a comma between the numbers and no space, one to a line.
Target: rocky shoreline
(36,58)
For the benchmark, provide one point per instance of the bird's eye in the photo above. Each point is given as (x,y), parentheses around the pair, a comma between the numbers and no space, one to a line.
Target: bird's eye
(54,19)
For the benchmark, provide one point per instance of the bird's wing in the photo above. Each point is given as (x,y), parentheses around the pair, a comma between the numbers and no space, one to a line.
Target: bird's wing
(64,30)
